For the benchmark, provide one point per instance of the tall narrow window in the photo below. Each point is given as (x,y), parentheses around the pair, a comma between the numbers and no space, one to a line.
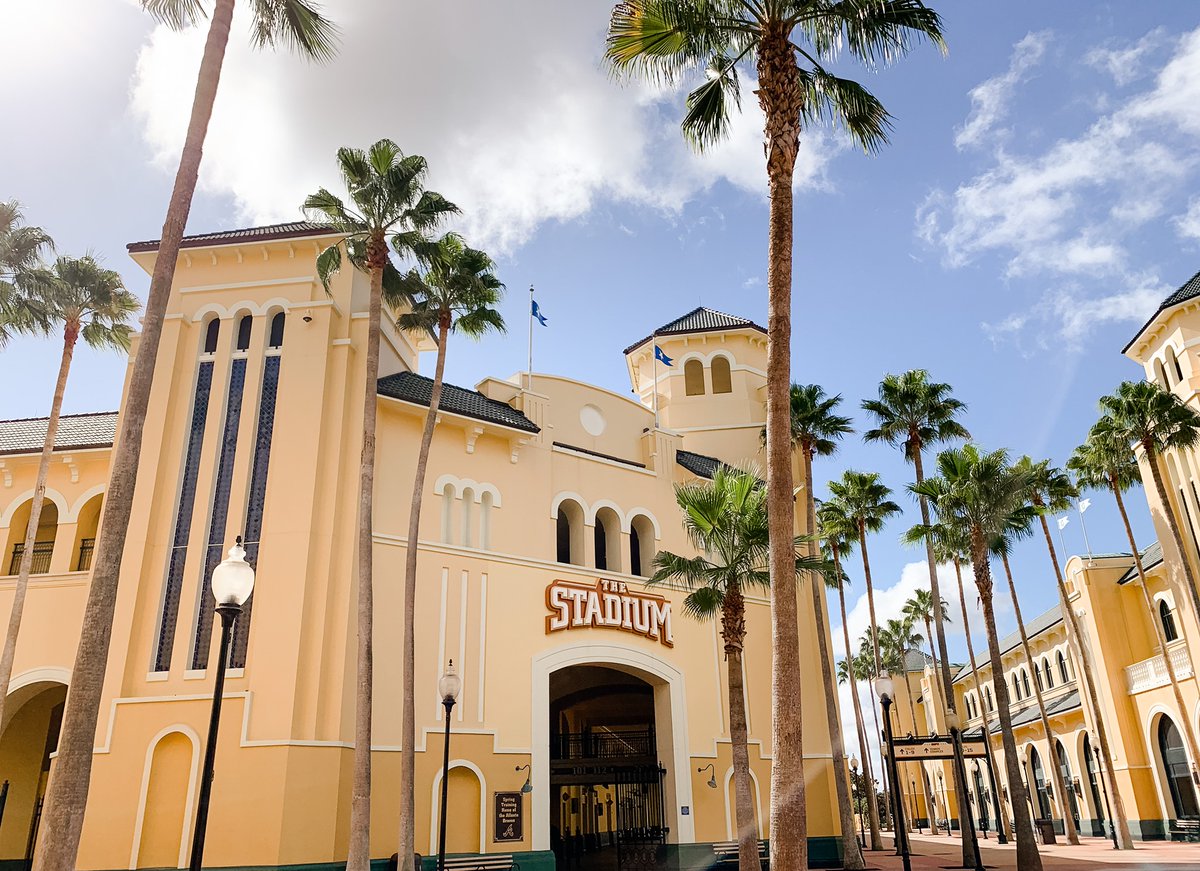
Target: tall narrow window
(1168,621)
(601,547)
(485,520)
(1173,361)
(1049,675)
(635,552)
(468,499)
(722,380)
(1016,687)
(1062,668)
(641,545)
(1177,769)
(693,378)
(211,333)
(276,337)
(1025,682)
(243,336)
(987,696)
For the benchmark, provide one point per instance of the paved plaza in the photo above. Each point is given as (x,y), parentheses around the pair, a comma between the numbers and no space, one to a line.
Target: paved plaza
(933,851)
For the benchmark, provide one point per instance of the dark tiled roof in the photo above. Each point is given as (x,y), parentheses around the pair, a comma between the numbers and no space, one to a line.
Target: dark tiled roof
(1033,628)
(1151,557)
(1029,713)
(698,464)
(75,432)
(699,320)
(289,230)
(417,389)
(1190,290)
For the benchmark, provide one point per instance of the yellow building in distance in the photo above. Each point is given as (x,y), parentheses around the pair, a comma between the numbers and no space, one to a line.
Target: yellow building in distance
(545,503)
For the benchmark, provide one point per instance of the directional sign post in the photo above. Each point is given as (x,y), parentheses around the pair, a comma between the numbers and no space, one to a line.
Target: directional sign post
(936,747)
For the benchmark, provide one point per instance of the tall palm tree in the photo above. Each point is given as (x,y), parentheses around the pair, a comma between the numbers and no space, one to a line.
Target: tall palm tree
(1019,526)
(726,521)
(455,291)
(863,498)
(388,204)
(1142,414)
(919,607)
(297,25)
(21,248)
(786,44)
(1104,462)
(912,412)
(1051,492)
(979,492)
(838,534)
(86,301)
(815,428)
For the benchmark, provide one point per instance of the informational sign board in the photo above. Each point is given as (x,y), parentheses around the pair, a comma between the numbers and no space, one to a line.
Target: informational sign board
(509,824)
(935,747)
(607,604)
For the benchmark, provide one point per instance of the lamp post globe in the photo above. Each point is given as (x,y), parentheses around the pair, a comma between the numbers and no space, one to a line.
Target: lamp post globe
(449,686)
(232,583)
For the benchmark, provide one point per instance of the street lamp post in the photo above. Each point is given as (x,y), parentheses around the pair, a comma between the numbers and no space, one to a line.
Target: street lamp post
(232,583)
(449,686)
(955,724)
(856,791)
(884,686)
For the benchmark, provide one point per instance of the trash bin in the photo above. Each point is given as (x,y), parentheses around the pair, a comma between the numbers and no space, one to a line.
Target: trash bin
(1046,831)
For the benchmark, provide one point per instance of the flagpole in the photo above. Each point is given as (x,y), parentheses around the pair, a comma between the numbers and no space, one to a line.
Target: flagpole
(1083,526)
(654,354)
(529,368)
(1061,542)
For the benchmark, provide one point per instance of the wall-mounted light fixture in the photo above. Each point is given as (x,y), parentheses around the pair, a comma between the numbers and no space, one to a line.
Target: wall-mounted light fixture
(712,780)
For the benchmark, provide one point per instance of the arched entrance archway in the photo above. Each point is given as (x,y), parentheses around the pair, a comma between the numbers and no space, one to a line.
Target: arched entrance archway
(1093,774)
(33,716)
(1176,770)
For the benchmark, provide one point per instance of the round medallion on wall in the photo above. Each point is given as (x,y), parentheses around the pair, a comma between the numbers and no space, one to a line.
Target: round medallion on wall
(592,420)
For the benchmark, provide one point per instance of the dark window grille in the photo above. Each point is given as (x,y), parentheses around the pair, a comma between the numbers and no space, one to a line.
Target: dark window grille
(635,552)
(243,338)
(87,547)
(219,512)
(1062,668)
(1170,633)
(210,336)
(42,551)
(601,537)
(257,499)
(276,338)
(183,518)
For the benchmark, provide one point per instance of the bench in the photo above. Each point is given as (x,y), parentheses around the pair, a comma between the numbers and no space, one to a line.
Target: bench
(481,862)
(726,853)
(1185,830)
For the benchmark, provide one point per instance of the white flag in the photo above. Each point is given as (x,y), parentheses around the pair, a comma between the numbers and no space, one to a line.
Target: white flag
(1063,521)
(1084,505)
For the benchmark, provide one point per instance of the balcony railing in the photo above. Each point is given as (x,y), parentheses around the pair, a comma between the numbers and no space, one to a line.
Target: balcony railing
(86,547)
(1152,672)
(603,744)
(42,551)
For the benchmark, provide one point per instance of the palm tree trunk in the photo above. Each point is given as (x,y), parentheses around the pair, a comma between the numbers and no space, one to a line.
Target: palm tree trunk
(879,734)
(359,857)
(1188,731)
(62,817)
(409,725)
(733,632)
(851,852)
(866,561)
(70,335)
(864,748)
(1027,852)
(1055,769)
(781,101)
(1002,811)
(960,766)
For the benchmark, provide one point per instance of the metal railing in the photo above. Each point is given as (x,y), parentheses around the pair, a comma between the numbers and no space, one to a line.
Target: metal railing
(603,744)
(1152,672)
(42,551)
(86,547)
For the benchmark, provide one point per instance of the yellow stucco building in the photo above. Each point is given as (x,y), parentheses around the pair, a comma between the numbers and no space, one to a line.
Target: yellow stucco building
(1155,775)
(545,503)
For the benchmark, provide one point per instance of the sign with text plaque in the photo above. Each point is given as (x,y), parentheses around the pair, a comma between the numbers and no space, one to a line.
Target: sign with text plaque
(509,823)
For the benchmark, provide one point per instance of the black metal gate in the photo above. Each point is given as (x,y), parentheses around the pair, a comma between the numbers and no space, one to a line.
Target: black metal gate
(641,817)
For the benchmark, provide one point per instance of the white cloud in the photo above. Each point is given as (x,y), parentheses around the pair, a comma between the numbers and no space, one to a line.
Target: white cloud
(1188,224)
(1066,212)
(519,119)
(1127,63)
(990,99)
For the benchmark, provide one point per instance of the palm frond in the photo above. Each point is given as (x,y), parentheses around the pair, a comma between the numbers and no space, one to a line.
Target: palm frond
(295,24)
(176,14)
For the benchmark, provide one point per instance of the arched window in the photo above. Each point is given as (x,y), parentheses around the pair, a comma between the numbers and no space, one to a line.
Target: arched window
(243,336)
(1025,681)
(1160,375)
(1068,780)
(1177,770)
(1016,687)
(1173,364)
(569,532)
(1168,621)
(447,495)
(1048,674)
(641,546)
(276,337)
(987,697)
(1062,668)
(468,501)
(693,378)
(485,520)
(43,542)
(211,334)
(722,381)
(1039,784)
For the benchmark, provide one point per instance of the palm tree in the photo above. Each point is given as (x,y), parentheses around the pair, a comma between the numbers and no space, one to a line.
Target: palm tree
(919,607)
(726,521)
(388,204)
(863,498)
(912,413)
(21,248)
(1051,492)
(297,25)
(815,428)
(1103,462)
(979,492)
(838,534)
(456,292)
(1142,414)
(786,43)
(1019,525)
(88,301)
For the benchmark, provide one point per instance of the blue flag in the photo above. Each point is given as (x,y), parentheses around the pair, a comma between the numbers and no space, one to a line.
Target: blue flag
(661,357)
(537,313)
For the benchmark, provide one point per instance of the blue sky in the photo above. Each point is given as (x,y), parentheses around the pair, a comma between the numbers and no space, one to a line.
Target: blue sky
(1036,202)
